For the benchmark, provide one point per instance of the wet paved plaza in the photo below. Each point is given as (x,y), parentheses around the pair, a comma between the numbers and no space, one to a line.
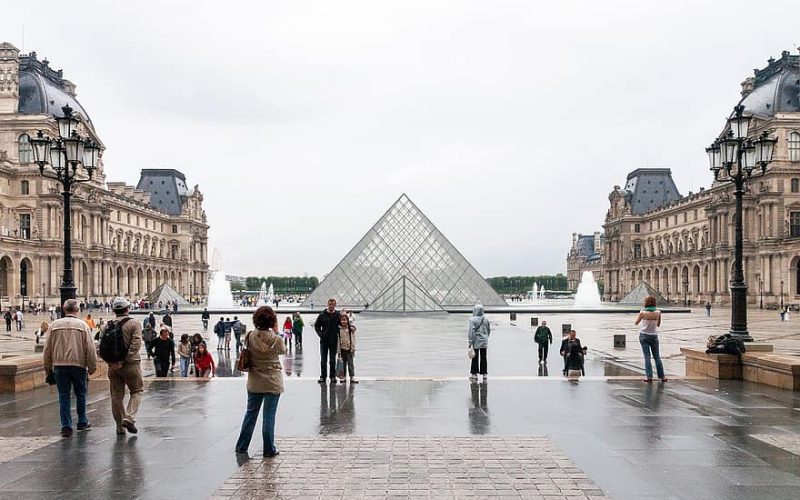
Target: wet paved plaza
(607,435)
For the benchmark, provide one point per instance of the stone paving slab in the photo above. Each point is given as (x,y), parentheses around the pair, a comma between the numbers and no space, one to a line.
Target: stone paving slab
(355,467)
(13,447)
(788,442)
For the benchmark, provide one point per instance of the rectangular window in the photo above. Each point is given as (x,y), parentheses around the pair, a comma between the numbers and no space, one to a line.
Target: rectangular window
(796,185)
(651,226)
(685,216)
(658,224)
(676,220)
(695,215)
(637,251)
(119,216)
(24,187)
(794,224)
(25,226)
(636,228)
(174,228)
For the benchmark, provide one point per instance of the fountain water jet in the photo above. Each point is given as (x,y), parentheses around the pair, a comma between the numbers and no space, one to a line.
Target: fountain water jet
(588,294)
(219,290)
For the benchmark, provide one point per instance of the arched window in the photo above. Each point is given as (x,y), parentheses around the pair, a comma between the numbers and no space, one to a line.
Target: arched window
(26,151)
(794,146)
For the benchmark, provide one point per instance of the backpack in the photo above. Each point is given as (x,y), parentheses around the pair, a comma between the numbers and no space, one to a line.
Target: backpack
(112,342)
(725,344)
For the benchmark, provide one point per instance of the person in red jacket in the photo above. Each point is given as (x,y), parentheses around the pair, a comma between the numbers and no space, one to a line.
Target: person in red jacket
(203,362)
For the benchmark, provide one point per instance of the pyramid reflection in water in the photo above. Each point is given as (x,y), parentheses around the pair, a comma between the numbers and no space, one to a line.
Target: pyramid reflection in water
(404,264)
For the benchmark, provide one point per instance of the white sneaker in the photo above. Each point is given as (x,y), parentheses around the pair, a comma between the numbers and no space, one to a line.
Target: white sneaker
(485,378)
(473,376)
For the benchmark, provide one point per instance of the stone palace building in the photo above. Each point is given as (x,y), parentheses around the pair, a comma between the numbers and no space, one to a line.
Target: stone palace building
(683,245)
(126,240)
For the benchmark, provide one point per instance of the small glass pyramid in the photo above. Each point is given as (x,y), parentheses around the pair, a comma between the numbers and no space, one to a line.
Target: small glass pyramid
(404,264)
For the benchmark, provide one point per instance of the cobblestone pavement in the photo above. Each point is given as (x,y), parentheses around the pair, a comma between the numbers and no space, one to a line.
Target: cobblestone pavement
(11,448)
(353,467)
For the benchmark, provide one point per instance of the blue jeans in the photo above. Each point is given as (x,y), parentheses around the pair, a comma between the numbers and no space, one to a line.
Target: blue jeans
(67,378)
(184,366)
(254,402)
(650,345)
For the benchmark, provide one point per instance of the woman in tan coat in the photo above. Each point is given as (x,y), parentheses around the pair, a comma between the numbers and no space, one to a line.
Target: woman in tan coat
(264,380)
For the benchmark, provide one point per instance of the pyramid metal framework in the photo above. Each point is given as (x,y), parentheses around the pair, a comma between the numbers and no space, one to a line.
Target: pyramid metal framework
(640,292)
(404,264)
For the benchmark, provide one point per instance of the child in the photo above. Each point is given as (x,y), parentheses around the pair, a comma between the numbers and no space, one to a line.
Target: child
(185,354)
(287,332)
(203,362)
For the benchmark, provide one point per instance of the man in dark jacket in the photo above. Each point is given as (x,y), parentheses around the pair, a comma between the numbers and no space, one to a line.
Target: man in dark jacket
(573,352)
(327,328)
(205,317)
(167,319)
(544,338)
(163,351)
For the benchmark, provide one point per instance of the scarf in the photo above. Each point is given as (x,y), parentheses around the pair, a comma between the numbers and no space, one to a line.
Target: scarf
(650,308)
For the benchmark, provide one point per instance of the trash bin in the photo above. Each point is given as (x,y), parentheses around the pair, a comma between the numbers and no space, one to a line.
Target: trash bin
(619,341)
(534,321)
(565,328)
(513,316)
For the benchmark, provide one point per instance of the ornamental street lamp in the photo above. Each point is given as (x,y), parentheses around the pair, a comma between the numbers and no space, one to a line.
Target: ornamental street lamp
(761,294)
(733,158)
(781,294)
(63,155)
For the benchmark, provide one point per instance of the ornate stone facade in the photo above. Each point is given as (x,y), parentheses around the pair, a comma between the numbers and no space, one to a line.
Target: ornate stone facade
(124,242)
(586,254)
(683,246)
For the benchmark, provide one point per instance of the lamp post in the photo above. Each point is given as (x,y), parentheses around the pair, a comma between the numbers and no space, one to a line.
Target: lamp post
(781,294)
(63,155)
(761,294)
(732,158)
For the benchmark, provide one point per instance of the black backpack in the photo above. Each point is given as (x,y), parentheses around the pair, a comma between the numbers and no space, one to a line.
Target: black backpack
(112,342)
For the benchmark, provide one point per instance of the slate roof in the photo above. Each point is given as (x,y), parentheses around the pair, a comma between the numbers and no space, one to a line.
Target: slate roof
(167,188)
(650,188)
(776,88)
(42,89)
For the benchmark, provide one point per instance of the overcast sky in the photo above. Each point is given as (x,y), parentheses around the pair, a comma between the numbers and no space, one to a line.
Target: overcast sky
(507,122)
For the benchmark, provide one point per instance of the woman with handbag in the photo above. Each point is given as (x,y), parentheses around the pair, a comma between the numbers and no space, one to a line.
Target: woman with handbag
(264,379)
(478,335)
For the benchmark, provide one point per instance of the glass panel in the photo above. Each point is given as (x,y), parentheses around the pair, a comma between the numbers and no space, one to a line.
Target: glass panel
(404,263)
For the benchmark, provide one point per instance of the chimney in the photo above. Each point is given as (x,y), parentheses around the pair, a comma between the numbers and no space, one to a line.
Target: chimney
(9,78)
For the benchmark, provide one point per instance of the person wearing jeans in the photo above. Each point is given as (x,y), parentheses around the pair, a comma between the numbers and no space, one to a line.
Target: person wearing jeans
(185,354)
(69,353)
(650,319)
(264,381)
(163,351)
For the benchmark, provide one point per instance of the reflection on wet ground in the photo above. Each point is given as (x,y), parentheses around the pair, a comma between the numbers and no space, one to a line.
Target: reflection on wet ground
(686,439)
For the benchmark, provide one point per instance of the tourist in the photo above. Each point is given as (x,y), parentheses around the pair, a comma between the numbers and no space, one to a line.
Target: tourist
(128,372)
(573,353)
(544,338)
(148,332)
(41,333)
(219,330)
(327,328)
(163,351)
(167,319)
(347,347)
(708,308)
(264,380)
(100,327)
(185,354)
(90,322)
(19,317)
(227,327)
(238,329)
(203,362)
(204,318)
(478,332)
(68,354)
(297,330)
(287,332)
(650,318)
(782,313)
(8,317)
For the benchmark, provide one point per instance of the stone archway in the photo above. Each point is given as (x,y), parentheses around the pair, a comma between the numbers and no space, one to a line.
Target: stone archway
(6,276)
(26,285)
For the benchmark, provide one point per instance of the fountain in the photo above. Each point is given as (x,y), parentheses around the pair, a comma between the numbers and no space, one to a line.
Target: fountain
(219,290)
(588,295)
(265,297)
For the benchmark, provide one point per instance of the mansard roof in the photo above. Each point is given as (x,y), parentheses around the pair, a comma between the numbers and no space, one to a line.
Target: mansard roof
(650,188)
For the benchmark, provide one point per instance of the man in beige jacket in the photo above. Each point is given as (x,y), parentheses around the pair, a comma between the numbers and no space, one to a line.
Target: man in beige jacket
(126,373)
(69,352)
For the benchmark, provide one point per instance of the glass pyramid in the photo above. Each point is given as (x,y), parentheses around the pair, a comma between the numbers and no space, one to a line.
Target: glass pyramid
(404,264)
(639,293)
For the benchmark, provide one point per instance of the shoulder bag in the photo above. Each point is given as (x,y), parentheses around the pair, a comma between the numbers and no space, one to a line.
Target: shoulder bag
(244,362)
